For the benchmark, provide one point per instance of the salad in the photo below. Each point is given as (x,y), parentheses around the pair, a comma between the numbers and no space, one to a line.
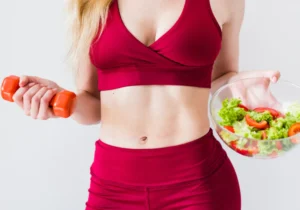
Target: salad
(257,126)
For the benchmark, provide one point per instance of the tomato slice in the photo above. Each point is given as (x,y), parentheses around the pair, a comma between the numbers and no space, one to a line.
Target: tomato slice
(274,154)
(294,129)
(252,151)
(295,140)
(255,143)
(247,144)
(244,152)
(244,107)
(253,148)
(273,112)
(230,128)
(264,135)
(233,144)
(278,145)
(260,125)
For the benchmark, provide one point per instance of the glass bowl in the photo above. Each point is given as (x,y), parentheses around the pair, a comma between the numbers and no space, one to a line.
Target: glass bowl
(254,93)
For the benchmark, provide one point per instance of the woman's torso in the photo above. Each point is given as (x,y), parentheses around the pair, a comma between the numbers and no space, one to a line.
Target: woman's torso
(152,116)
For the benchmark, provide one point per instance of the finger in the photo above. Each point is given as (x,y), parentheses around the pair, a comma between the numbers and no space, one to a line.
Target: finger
(35,102)
(272,75)
(24,80)
(18,95)
(28,97)
(276,76)
(45,112)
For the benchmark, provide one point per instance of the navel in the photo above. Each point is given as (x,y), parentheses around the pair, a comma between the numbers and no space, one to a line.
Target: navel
(143,140)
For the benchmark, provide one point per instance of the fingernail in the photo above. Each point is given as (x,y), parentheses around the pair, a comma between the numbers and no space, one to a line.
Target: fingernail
(274,79)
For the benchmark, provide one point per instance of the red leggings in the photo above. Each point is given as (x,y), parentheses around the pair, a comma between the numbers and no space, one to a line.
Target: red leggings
(193,176)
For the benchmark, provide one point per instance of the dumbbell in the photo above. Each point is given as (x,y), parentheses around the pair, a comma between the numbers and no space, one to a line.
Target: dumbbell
(61,104)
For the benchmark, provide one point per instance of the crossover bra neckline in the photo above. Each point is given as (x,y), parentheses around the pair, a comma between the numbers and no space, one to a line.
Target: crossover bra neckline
(163,36)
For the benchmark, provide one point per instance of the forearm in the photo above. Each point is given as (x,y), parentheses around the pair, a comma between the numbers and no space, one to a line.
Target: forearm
(86,109)
(223,80)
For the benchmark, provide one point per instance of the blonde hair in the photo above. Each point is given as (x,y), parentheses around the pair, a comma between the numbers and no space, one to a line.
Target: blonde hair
(86,19)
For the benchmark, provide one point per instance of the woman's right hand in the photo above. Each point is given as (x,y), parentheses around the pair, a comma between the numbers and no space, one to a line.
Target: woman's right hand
(34,96)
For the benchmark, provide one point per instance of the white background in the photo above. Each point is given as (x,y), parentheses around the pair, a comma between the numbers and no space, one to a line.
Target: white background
(44,165)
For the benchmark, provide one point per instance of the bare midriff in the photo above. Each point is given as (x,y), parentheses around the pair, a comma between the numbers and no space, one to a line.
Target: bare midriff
(153,116)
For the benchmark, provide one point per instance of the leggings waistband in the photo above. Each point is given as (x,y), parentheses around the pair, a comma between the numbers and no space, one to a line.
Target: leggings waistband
(159,166)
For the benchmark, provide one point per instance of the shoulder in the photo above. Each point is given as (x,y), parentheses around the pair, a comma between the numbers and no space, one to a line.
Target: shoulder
(228,11)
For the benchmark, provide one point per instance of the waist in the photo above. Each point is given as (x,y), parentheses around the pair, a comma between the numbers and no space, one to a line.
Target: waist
(194,160)
(165,115)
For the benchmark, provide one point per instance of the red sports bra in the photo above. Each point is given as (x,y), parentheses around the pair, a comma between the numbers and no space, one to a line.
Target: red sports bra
(184,55)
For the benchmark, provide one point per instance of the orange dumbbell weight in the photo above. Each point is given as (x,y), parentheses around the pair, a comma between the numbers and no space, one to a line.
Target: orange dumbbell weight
(61,103)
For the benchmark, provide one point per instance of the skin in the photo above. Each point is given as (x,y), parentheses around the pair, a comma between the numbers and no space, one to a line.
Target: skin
(157,116)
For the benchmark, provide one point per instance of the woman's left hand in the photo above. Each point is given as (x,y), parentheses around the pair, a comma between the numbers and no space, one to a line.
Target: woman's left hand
(255,92)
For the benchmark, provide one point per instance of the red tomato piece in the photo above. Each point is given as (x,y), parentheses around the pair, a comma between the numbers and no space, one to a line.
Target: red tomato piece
(244,107)
(273,154)
(264,135)
(244,152)
(294,129)
(260,125)
(294,140)
(278,145)
(273,112)
(254,150)
(230,128)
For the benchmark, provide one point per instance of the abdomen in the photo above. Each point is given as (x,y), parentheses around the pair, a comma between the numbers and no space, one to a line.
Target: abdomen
(164,115)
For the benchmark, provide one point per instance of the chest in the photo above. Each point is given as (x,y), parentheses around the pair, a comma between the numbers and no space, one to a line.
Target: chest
(148,20)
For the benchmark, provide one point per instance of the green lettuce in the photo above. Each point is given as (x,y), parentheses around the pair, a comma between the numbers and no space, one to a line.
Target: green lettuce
(277,133)
(258,117)
(230,112)
(294,110)
(227,136)
(266,147)
(241,128)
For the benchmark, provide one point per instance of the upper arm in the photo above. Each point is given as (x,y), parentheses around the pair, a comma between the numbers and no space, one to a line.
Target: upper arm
(228,58)
(86,78)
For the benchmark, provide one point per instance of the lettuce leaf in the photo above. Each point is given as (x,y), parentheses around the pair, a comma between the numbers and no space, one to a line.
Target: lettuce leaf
(294,110)
(266,147)
(277,133)
(241,128)
(258,117)
(230,112)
